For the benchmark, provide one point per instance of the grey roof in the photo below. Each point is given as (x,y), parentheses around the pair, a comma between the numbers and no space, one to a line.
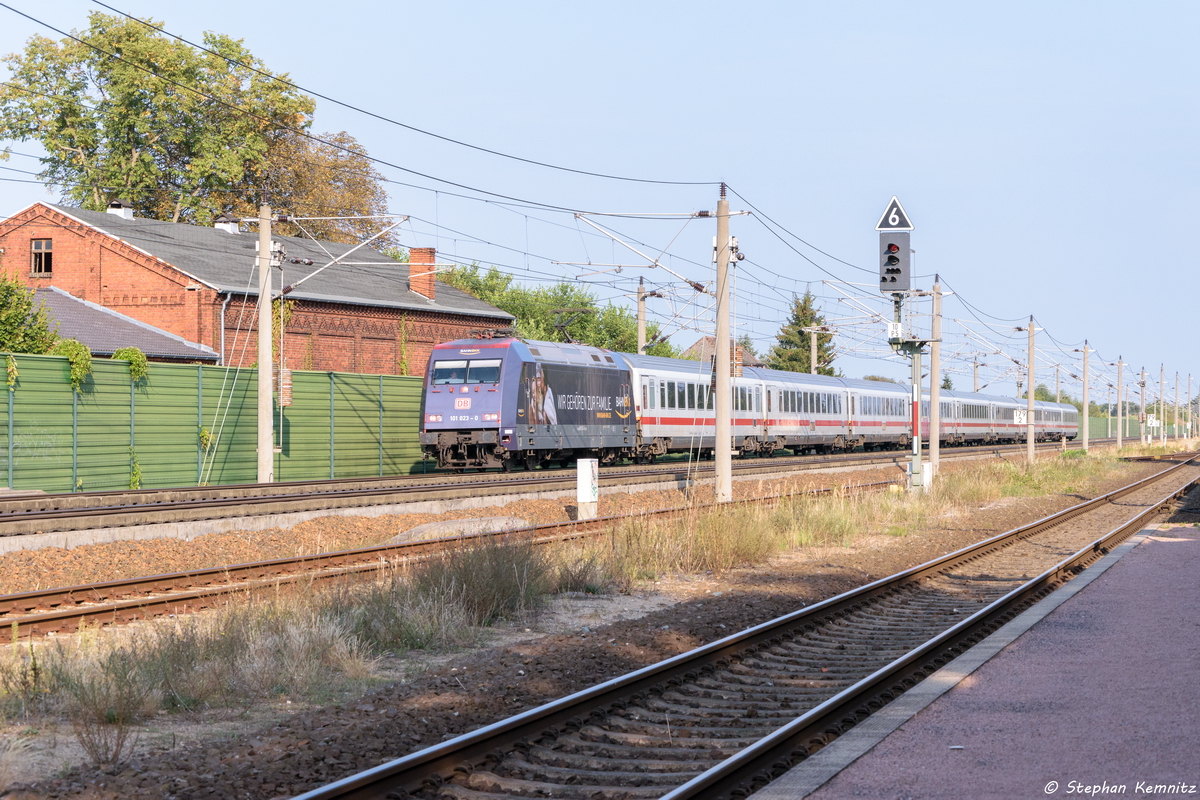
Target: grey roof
(104,330)
(226,262)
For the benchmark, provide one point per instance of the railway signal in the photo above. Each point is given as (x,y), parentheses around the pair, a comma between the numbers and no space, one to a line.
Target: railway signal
(894,261)
(895,279)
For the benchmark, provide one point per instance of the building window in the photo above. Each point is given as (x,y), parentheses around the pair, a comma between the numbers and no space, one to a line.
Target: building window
(43,257)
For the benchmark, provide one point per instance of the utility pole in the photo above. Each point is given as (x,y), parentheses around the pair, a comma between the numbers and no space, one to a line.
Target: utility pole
(812,351)
(935,383)
(1057,384)
(1087,417)
(723,487)
(975,370)
(1162,397)
(1142,418)
(1108,414)
(641,300)
(1029,392)
(1176,437)
(1188,403)
(266,433)
(1120,403)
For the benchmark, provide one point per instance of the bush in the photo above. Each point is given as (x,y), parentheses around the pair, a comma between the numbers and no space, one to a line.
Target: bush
(139,367)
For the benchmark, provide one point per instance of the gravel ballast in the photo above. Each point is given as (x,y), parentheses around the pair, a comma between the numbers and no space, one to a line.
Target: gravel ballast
(296,752)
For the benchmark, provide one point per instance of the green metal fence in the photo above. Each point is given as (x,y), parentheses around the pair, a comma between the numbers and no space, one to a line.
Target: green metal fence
(1106,427)
(189,424)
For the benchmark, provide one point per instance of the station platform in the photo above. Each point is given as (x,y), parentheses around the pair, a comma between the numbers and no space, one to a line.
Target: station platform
(1093,692)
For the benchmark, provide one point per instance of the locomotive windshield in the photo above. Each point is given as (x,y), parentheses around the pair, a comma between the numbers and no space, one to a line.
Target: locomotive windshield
(484,370)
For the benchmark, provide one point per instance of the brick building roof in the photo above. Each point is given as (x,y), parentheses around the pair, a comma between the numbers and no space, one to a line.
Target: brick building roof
(703,350)
(104,330)
(226,262)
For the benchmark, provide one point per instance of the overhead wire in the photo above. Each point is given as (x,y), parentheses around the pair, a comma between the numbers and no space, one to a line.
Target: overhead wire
(404,125)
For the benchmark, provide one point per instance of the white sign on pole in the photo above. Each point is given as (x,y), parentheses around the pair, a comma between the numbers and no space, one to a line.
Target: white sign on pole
(1019,416)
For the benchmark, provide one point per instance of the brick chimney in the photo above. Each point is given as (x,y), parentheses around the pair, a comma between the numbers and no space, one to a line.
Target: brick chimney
(421,278)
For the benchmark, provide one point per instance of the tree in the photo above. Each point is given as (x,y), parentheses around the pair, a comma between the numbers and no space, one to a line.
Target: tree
(25,325)
(332,177)
(879,378)
(130,113)
(946,382)
(609,326)
(791,351)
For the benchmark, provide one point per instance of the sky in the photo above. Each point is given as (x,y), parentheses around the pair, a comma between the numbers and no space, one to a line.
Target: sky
(1046,154)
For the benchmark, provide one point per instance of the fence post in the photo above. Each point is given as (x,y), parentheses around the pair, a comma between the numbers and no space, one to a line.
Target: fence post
(381,426)
(132,430)
(75,440)
(11,392)
(331,428)
(199,423)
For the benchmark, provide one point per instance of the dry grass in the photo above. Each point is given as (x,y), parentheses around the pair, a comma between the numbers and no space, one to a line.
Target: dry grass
(313,645)
(706,541)
(13,752)
(310,645)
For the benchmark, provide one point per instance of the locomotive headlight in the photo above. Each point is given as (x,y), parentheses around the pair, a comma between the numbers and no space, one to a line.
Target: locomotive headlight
(433,417)
(491,417)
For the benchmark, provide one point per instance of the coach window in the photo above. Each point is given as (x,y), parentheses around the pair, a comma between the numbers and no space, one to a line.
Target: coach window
(42,262)
(682,396)
(653,393)
(691,395)
(670,394)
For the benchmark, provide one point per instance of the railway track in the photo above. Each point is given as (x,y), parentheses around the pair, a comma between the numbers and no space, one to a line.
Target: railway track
(64,610)
(58,513)
(726,718)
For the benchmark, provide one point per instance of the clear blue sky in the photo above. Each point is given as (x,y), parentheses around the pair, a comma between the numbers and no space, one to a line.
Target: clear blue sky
(1046,152)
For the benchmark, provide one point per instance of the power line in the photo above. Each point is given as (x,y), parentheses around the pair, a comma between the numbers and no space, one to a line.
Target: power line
(278,126)
(404,125)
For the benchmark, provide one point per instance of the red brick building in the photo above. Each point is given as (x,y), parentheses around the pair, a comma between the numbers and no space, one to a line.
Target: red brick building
(366,313)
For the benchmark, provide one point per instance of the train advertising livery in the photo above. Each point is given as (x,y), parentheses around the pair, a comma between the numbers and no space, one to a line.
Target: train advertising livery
(555,394)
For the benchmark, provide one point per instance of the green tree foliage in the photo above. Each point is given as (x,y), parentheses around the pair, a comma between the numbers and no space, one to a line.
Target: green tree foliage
(332,177)
(946,382)
(25,324)
(608,326)
(157,122)
(879,378)
(791,351)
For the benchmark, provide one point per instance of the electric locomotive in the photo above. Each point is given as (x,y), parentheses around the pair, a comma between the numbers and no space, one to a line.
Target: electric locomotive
(508,402)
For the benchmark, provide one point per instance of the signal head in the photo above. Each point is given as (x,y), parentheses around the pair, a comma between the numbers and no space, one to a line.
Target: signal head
(894,261)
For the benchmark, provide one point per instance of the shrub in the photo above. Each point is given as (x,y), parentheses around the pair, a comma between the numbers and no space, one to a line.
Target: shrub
(139,367)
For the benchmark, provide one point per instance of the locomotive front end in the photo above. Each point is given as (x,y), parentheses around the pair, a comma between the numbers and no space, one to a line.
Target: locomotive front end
(463,403)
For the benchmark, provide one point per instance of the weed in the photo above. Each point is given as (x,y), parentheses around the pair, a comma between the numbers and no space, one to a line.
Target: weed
(13,752)
(107,694)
